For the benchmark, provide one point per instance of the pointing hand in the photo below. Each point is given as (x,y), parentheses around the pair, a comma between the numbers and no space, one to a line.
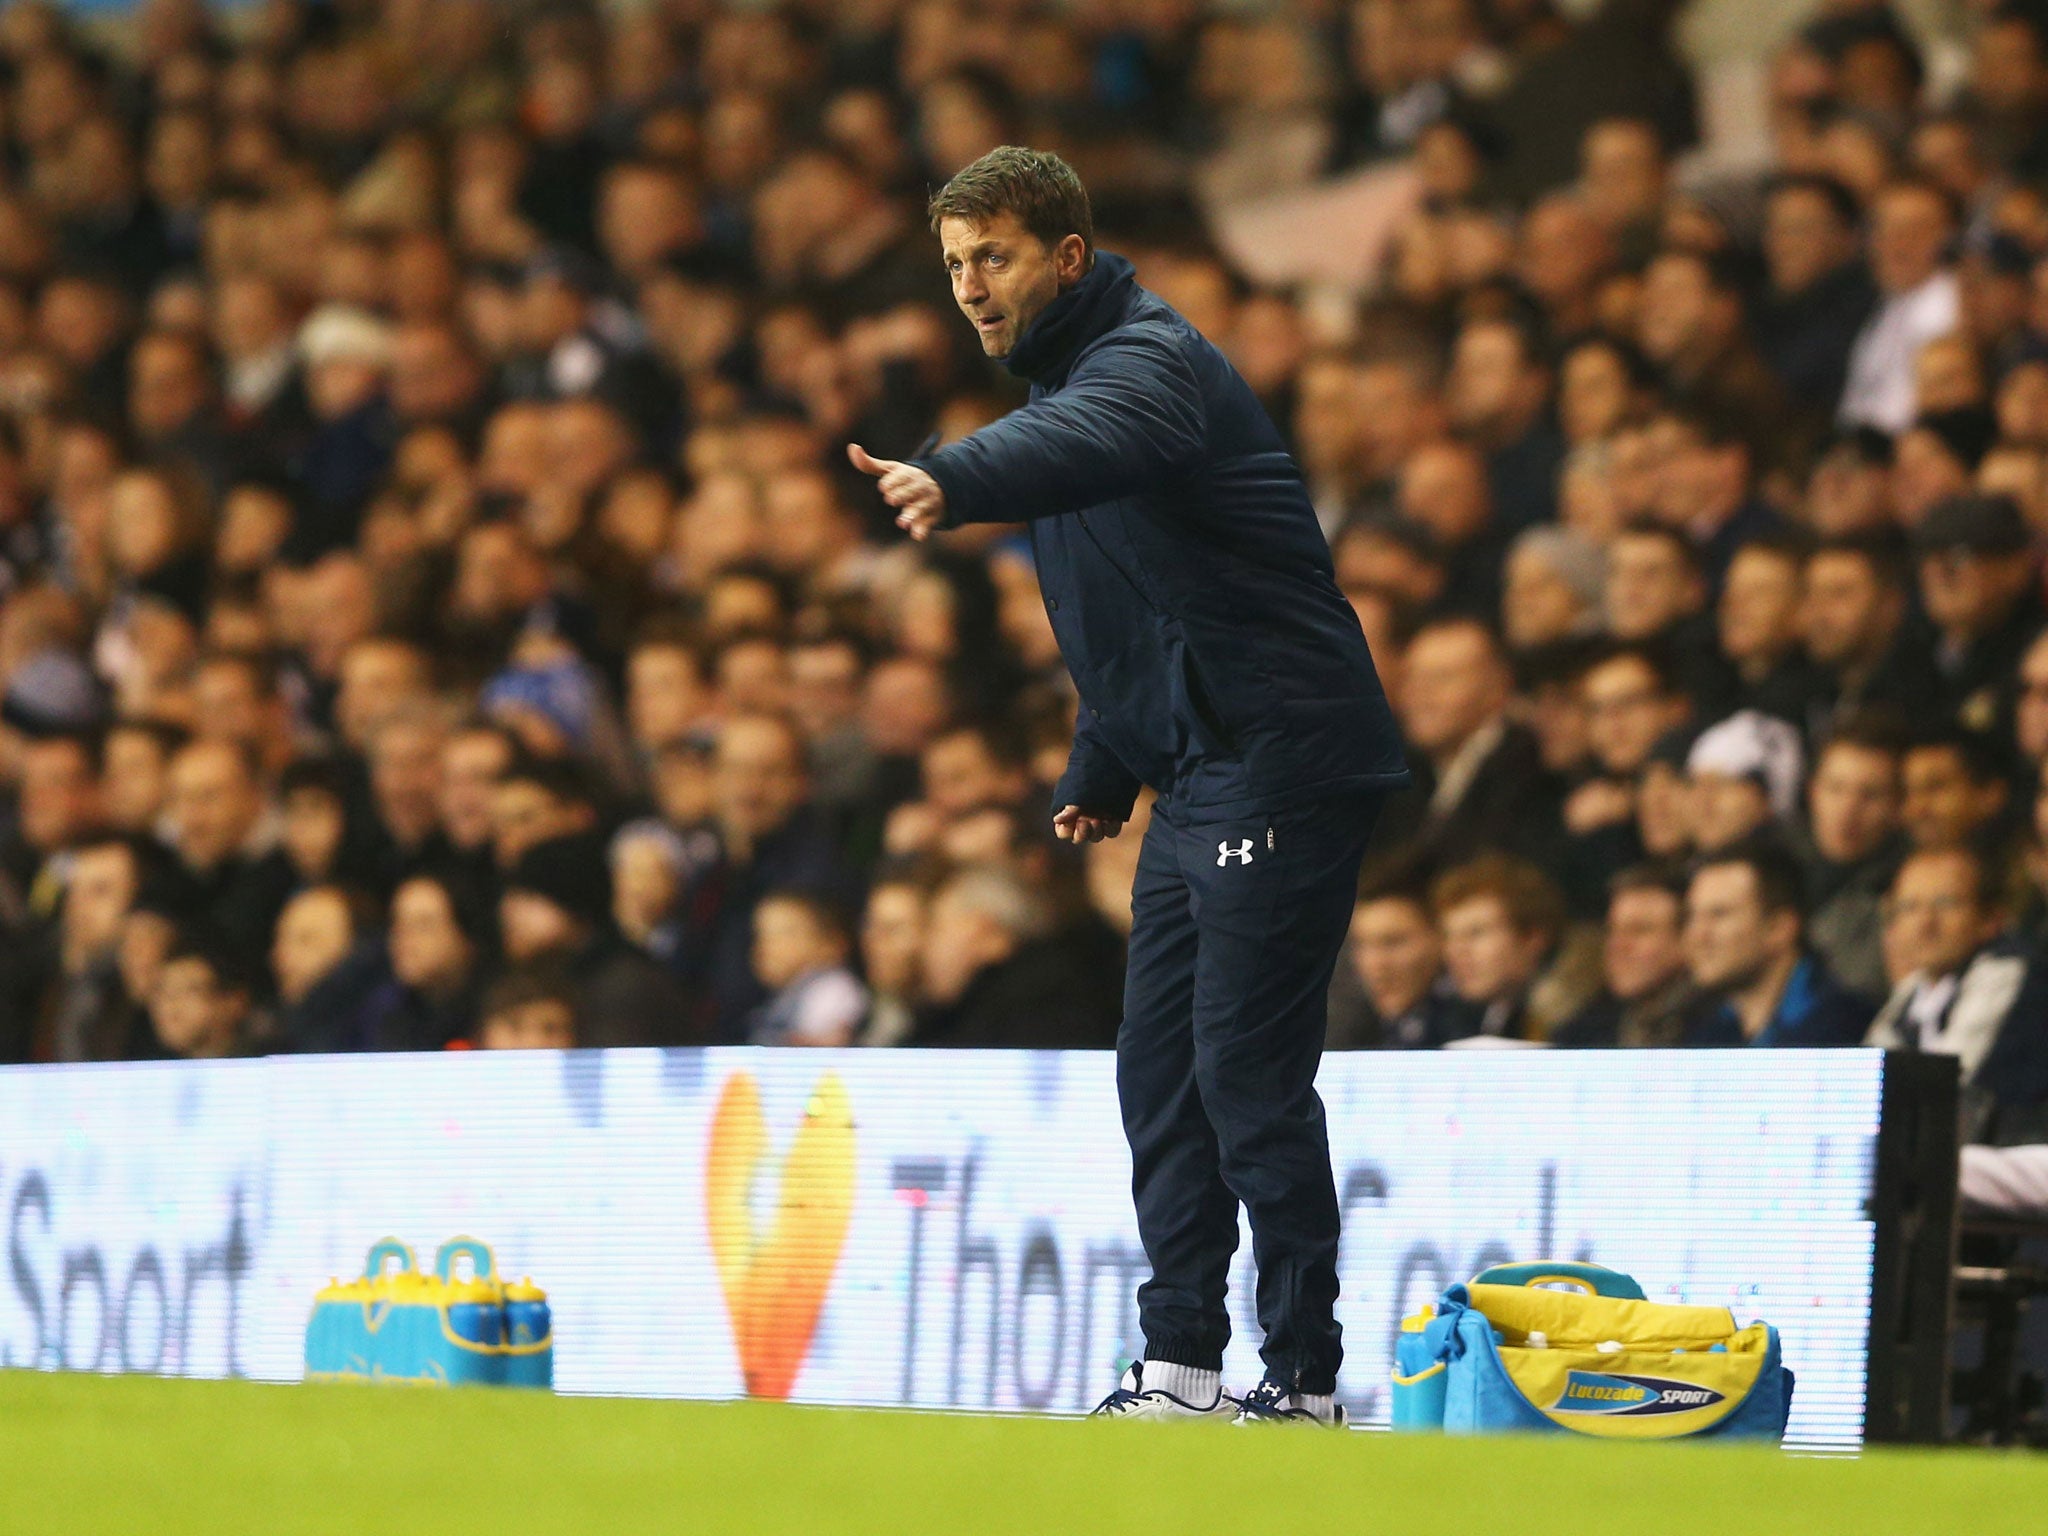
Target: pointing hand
(920,504)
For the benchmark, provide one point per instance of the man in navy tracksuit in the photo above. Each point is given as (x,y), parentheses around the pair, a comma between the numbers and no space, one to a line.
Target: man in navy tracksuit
(1195,603)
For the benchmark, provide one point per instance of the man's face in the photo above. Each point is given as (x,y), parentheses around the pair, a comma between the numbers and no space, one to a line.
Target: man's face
(1649,587)
(788,942)
(405,778)
(59,796)
(1677,301)
(228,702)
(1759,613)
(1726,808)
(1395,951)
(758,776)
(824,687)
(1843,608)
(471,764)
(166,386)
(1848,494)
(213,803)
(1626,709)
(313,936)
(1729,938)
(137,772)
(1645,942)
(1488,382)
(1443,487)
(1487,957)
(961,774)
(1853,802)
(377,680)
(428,950)
(1968,594)
(1909,231)
(891,936)
(1932,919)
(1004,276)
(1803,240)
(664,695)
(960,942)
(1451,685)
(1943,805)
(96,899)
(194,1015)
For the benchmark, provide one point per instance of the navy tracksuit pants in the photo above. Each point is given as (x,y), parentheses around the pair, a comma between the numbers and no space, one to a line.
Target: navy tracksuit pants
(1236,928)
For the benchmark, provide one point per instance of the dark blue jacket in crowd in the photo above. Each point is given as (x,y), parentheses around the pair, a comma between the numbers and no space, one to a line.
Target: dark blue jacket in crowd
(1813,1010)
(1187,580)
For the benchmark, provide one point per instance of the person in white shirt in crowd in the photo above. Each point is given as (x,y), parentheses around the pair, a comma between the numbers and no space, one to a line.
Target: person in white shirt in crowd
(1912,225)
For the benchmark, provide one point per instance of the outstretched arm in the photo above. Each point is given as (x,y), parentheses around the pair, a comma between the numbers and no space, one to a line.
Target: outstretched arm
(1129,419)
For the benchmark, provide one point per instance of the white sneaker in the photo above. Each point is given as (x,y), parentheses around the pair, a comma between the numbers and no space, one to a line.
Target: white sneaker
(1131,1401)
(1271,1403)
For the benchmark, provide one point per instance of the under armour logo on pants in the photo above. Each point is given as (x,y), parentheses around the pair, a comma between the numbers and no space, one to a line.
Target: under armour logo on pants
(1225,853)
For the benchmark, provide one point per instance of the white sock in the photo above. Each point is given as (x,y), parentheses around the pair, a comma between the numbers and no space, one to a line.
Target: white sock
(1324,1408)
(1197,1388)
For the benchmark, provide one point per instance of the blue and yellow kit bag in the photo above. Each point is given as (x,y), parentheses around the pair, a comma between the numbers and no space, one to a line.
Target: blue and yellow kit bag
(1512,1352)
(446,1328)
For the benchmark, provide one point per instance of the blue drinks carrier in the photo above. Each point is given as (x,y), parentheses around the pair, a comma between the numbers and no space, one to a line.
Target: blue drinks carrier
(446,1328)
(1512,1352)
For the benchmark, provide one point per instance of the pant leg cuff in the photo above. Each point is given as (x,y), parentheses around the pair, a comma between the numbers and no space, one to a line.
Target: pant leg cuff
(1314,1380)
(1168,1349)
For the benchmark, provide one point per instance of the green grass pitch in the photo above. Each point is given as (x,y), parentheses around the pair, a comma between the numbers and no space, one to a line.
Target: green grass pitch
(81,1455)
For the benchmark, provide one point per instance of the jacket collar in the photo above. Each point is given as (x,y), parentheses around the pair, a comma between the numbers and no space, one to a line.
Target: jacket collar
(1085,311)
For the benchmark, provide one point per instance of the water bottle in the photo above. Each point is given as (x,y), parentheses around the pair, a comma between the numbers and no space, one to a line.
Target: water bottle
(529,1336)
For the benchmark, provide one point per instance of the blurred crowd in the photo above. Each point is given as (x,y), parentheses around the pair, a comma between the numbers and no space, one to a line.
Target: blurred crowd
(435,608)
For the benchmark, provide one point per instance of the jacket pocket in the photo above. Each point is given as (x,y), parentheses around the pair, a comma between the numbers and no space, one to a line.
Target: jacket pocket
(1202,704)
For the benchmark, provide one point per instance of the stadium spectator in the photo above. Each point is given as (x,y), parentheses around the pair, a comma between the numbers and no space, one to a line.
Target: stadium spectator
(1818,292)
(1851,848)
(1743,778)
(1629,704)
(1480,781)
(1745,948)
(767,836)
(83,1011)
(1856,608)
(1646,991)
(199,1006)
(993,974)
(1965,991)
(1758,623)
(1511,962)
(648,864)
(1977,581)
(891,953)
(57,801)
(1398,955)
(440,943)
(557,904)
(801,949)
(1954,788)
(531,1007)
(324,971)
(1911,226)
(216,817)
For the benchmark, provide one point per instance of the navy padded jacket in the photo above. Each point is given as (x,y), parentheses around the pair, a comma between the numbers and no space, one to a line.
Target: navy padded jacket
(1182,566)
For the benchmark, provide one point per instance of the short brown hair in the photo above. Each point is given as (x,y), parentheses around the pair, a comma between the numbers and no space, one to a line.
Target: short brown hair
(1035,184)
(1532,903)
